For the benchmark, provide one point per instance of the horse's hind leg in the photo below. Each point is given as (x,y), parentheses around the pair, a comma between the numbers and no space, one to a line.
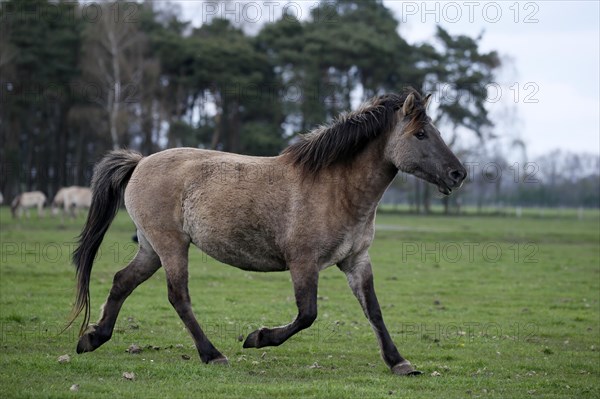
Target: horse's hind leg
(174,257)
(145,263)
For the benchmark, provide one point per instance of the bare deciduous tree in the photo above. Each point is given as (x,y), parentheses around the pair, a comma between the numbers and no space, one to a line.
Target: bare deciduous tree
(111,62)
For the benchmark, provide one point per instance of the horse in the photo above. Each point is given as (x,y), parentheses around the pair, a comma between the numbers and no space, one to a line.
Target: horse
(70,200)
(58,202)
(306,209)
(26,201)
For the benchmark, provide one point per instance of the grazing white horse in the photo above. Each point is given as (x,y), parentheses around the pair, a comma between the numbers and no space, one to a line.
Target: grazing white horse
(71,199)
(27,201)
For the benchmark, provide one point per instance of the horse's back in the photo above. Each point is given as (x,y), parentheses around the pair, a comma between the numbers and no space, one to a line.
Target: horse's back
(32,198)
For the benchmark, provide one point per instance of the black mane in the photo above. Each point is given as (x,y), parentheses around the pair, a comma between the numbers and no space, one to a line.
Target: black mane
(350,132)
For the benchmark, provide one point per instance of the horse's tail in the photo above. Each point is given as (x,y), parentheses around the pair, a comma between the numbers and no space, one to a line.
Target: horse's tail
(110,178)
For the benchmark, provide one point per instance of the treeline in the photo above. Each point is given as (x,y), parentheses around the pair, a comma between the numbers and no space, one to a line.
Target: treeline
(558,179)
(80,79)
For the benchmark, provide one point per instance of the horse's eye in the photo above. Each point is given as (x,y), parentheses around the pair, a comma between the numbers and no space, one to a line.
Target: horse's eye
(420,135)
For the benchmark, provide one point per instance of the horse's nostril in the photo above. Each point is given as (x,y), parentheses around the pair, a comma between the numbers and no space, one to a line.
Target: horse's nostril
(458,175)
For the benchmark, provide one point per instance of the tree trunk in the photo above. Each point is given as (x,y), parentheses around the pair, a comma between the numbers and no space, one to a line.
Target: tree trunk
(417,195)
(216,137)
(427,198)
(147,128)
(115,90)
(12,165)
(79,174)
(234,127)
(446,202)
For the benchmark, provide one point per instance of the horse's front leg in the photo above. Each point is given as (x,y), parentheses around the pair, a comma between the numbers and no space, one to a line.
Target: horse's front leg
(305,279)
(360,278)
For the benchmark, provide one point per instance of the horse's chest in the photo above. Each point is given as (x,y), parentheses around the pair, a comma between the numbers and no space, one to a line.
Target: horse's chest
(340,252)
(351,241)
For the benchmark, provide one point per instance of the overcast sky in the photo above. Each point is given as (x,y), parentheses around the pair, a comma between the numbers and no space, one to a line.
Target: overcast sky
(553,44)
(550,86)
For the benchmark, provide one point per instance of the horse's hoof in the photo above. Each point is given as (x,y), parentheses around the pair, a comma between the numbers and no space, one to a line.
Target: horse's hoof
(84,344)
(253,339)
(405,368)
(220,360)
(91,340)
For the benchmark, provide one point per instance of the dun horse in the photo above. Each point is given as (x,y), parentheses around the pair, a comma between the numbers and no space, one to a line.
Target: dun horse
(26,201)
(310,207)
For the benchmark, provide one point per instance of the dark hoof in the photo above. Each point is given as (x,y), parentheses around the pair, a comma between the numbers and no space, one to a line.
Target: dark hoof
(85,344)
(91,340)
(405,368)
(220,360)
(253,340)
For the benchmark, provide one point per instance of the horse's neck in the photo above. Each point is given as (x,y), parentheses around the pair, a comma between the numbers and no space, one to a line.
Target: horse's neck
(367,178)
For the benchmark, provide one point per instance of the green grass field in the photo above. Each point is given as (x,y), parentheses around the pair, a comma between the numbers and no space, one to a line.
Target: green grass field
(484,306)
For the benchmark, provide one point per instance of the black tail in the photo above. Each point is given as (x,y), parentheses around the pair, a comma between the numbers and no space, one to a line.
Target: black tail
(110,178)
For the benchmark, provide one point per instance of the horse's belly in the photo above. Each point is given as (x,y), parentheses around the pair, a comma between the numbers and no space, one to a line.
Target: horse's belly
(243,255)
(245,260)
(243,249)
(236,232)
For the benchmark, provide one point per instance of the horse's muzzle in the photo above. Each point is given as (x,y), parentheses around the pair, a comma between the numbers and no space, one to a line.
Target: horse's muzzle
(453,180)
(457,176)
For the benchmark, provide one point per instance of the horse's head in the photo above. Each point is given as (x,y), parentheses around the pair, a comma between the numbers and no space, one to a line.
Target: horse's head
(415,146)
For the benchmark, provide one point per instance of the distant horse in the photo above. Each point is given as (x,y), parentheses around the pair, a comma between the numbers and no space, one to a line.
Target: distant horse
(70,200)
(310,207)
(26,201)
(58,202)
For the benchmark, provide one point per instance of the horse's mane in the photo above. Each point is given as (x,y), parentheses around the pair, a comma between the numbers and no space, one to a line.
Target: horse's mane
(350,133)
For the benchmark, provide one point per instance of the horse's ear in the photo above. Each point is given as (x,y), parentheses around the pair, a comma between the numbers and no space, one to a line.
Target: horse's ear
(426,101)
(409,104)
